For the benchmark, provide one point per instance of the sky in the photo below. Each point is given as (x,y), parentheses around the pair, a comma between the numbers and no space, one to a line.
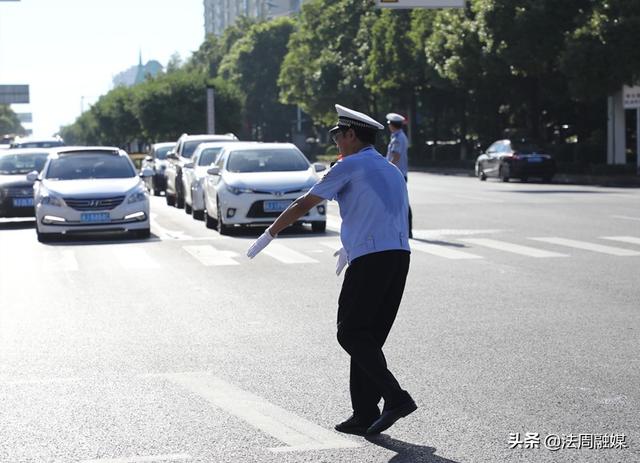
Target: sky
(68,51)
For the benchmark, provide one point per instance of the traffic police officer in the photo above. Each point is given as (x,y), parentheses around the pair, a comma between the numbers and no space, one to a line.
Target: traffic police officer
(373,200)
(398,149)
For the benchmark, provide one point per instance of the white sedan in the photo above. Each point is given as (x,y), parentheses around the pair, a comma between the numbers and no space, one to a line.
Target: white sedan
(252,183)
(87,189)
(194,174)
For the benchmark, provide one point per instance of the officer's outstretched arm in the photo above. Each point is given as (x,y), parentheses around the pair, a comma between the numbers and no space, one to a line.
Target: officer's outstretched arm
(296,209)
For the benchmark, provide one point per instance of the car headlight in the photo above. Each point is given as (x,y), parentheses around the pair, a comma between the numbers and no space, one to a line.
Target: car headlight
(137,196)
(52,200)
(238,191)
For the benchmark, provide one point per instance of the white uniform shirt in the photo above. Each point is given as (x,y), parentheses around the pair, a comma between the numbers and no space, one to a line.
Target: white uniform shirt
(374,203)
(399,143)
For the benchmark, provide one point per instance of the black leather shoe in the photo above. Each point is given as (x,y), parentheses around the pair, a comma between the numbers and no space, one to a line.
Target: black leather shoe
(355,425)
(390,416)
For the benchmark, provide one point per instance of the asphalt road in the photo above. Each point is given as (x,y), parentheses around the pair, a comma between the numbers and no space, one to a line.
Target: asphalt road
(521,315)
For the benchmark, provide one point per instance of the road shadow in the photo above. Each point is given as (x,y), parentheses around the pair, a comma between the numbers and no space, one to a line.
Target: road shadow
(97,239)
(406,452)
(18,224)
(441,243)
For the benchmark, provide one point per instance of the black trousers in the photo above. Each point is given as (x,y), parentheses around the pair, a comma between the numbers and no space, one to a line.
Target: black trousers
(367,307)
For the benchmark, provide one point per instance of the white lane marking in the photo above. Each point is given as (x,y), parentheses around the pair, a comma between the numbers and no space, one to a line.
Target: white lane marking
(441,250)
(164,233)
(296,432)
(510,247)
(623,239)
(210,256)
(625,217)
(589,246)
(149,458)
(134,258)
(287,256)
(333,245)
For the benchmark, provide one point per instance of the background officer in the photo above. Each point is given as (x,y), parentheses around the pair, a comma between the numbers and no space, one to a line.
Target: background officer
(373,200)
(397,151)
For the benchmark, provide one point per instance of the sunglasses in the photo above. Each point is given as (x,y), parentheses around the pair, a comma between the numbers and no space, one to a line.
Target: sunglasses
(341,131)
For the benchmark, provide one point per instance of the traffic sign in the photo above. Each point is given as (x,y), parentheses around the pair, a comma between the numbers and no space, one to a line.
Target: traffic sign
(14,94)
(411,4)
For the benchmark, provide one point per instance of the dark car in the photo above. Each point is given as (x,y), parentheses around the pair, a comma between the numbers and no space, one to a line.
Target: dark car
(16,192)
(507,159)
(157,160)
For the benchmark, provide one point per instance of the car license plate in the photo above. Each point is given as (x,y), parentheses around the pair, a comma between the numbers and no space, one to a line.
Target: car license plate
(22,202)
(92,217)
(534,159)
(276,206)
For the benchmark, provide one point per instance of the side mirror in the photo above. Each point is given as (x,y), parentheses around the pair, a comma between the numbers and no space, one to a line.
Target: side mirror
(319,167)
(172,155)
(188,165)
(146,172)
(32,176)
(213,170)
(148,158)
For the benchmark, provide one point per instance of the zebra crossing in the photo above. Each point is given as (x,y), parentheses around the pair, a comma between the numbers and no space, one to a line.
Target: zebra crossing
(229,252)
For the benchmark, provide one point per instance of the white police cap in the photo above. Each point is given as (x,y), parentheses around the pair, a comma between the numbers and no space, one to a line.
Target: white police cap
(350,118)
(395,117)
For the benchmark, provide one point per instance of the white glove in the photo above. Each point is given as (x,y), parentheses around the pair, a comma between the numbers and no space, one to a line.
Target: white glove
(259,244)
(342,260)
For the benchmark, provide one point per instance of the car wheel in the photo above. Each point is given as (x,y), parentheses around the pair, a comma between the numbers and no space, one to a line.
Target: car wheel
(504,174)
(197,215)
(319,227)
(222,228)
(187,208)
(171,200)
(210,221)
(143,233)
(482,176)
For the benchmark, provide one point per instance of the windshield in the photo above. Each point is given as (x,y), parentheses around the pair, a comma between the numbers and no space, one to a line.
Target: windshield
(37,144)
(80,166)
(161,153)
(190,146)
(13,164)
(275,160)
(208,156)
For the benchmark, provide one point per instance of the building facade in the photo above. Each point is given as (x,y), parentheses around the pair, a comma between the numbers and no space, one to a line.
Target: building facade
(220,14)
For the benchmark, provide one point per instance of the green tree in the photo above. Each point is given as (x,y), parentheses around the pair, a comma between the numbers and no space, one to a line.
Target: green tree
(115,118)
(9,122)
(253,66)
(325,63)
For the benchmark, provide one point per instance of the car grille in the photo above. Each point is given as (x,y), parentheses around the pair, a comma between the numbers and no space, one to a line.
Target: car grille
(19,192)
(256,211)
(93,204)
